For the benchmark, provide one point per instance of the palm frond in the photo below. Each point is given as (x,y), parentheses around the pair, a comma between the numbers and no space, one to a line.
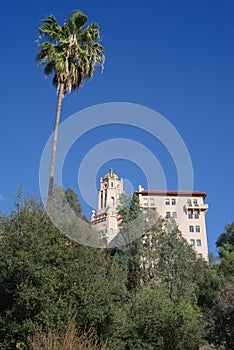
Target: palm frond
(50,29)
(49,68)
(76,21)
(93,31)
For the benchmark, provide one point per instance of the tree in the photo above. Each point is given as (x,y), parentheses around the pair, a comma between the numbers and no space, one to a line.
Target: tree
(70,52)
(226,237)
(127,244)
(73,201)
(47,279)
(163,324)
(221,310)
(208,283)
(222,318)
(225,245)
(153,321)
(169,260)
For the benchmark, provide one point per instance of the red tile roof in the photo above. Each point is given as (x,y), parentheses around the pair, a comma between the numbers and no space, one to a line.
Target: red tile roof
(172,193)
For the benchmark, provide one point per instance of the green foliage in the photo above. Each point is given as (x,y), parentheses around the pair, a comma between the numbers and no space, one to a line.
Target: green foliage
(153,293)
(169,260)
(221,312)
(46,279)
(128,254)
(208,283)
(226,237)
(222,318)
(164,324)
(69,51)
(129,208)
(225,245)
(66,213)
(73,201)
(153,321)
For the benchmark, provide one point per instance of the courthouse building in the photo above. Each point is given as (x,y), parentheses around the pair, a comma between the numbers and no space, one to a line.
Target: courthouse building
(186,208)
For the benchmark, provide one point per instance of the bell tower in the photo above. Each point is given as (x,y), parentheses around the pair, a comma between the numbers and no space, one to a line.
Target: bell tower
(106,218)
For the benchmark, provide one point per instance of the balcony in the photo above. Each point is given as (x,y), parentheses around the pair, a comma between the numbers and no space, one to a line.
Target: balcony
(198,207)
(99,218)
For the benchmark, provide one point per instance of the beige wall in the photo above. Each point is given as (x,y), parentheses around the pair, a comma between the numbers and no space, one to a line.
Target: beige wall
(179,208)
(178,204)
(106,218)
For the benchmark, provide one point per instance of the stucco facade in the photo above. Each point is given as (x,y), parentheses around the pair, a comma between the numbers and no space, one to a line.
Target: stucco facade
(187,208)
(106,218)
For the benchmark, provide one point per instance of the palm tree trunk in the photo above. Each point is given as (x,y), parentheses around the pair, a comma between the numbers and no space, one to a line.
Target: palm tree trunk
(54,145)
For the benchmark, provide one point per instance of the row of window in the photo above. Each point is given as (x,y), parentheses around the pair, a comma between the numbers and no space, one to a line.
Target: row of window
(189,201)
(171,215)
(151,201)
(193,215)
(172,201)
(194,228)
(105,231)
(198,242)
(168,201)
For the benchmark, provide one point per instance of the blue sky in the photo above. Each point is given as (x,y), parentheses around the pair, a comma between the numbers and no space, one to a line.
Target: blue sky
(176,57)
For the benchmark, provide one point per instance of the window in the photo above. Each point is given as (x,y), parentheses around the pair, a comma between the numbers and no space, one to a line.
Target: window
(151,201)
(188,201)
(195,201)
(192,242)
(105,198)
(174,214)
(196,215)
(104,233)
(191,229)
(112,184)
(198,242)
(167,201)
(173,201)
(197,228)
(190,215)
(145,201)
(199,256)
(101,199)
(168,214)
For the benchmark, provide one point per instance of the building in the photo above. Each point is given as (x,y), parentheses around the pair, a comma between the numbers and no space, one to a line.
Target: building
(187,208)
(106,218)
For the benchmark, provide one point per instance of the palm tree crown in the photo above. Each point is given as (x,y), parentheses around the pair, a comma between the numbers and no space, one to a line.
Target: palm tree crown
(70,51)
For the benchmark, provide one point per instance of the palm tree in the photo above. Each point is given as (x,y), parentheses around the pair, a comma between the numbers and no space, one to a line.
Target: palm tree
(70,52)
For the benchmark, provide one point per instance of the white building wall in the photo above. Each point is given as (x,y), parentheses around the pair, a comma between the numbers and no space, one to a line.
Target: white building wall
(105,220)
(176,204)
